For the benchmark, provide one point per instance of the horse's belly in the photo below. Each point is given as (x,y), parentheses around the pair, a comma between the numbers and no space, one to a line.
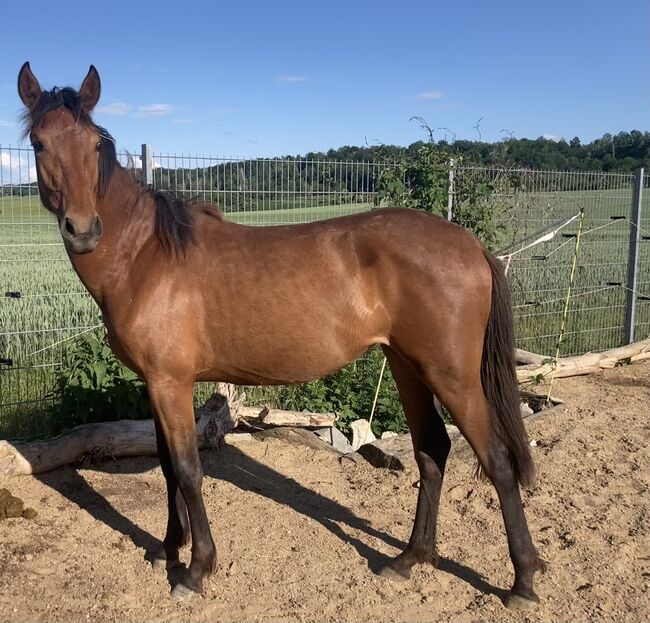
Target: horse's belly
(279,360)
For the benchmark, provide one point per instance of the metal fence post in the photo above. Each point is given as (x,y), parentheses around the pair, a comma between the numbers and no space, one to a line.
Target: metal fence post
(633,256)
(147,165)
(450,192)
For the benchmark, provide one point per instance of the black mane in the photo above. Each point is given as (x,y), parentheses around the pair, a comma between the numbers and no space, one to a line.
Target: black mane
(51,100)
(174,221)
(174,224)
(174,216)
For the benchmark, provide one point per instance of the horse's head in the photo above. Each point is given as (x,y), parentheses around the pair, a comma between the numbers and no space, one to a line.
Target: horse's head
(75,158)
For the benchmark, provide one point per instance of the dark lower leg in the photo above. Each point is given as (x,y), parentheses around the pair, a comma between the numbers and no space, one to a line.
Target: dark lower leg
(470,411)
(204,554)
(178,530)
(172,403)
(524,556)
(422,544)
(433,447)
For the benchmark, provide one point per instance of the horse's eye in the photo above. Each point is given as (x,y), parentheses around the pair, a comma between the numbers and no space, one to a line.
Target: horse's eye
(38,146)
(98,147)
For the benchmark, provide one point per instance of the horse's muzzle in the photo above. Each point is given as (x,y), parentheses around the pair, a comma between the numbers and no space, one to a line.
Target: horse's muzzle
(81,242)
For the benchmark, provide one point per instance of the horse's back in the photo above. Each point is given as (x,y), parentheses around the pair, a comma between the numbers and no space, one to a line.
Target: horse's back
(291,303)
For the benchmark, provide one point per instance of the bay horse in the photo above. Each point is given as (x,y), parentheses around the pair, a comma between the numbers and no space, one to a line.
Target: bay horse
(187,296)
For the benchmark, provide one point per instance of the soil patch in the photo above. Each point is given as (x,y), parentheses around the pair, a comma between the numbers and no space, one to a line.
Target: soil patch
(299,533)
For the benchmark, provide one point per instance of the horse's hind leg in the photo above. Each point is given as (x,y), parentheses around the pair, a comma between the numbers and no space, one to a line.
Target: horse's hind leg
(178,529)
(462,394)
(431,445)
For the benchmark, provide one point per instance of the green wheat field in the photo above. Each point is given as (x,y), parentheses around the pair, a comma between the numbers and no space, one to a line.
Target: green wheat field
(43,304)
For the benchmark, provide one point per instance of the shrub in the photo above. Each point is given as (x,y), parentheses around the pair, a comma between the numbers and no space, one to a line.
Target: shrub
(93,386)
(349,393)
(421,181)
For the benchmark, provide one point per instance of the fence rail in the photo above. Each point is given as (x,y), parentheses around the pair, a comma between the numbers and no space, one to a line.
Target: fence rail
(43,306)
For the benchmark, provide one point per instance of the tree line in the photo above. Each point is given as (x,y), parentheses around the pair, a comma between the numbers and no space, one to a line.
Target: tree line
(326,173)
(622,152)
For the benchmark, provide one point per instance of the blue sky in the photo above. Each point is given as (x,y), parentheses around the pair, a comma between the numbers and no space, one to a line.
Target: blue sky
(274,78)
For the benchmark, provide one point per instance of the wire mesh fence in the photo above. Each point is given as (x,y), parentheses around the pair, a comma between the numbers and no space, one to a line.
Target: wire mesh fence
(43,306)
(270,191)
(526,202)
(642,318)
(41,299)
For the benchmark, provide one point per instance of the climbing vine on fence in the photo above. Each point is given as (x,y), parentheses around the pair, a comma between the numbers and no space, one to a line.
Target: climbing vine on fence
(481,198)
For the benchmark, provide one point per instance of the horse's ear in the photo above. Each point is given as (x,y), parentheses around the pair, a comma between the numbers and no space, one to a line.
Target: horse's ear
(90,90)
(28,87)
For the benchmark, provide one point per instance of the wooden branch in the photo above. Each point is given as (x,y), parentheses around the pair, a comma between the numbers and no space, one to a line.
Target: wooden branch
(525,357)
(277,417)
(588,363)
(109,439)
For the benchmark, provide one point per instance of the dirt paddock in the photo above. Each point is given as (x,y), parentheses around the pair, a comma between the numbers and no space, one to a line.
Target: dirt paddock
(299,533)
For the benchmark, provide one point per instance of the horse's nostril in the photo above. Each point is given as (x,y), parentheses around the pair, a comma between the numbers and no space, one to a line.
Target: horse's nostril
(69,227)
(98,228)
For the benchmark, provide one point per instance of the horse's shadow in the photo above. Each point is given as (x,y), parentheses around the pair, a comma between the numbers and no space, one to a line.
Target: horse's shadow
(231,465)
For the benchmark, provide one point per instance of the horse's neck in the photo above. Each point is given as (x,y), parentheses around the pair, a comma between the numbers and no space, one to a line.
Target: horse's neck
(127,215)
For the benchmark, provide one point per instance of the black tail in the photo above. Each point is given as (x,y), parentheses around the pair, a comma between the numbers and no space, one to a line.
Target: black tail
(499,378)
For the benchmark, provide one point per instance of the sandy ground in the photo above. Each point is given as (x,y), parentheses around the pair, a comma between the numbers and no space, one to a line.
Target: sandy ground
(299,533)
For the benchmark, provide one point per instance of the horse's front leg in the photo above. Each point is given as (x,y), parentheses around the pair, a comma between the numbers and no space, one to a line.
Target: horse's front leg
(171,402)
(178,527)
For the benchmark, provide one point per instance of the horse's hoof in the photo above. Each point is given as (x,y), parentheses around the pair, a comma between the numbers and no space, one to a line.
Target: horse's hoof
(390,573)
(517,602)
(162,564)
(182,593)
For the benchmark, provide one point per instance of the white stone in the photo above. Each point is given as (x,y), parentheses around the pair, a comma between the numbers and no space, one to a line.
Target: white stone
(336,438)
(525,409)
(361,434)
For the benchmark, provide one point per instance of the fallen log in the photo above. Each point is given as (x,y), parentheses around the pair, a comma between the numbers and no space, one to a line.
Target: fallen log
(298,437)
(395,452)
(277,417)
(524,357)
(109,439)
(587,363)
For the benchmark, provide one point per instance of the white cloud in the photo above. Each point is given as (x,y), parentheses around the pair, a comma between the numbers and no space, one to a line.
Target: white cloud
(136,162)
(155,110)
(430,95)
(16,169)
(6,124)
(550,137)
(291,78)
(116,108)
(150,110)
